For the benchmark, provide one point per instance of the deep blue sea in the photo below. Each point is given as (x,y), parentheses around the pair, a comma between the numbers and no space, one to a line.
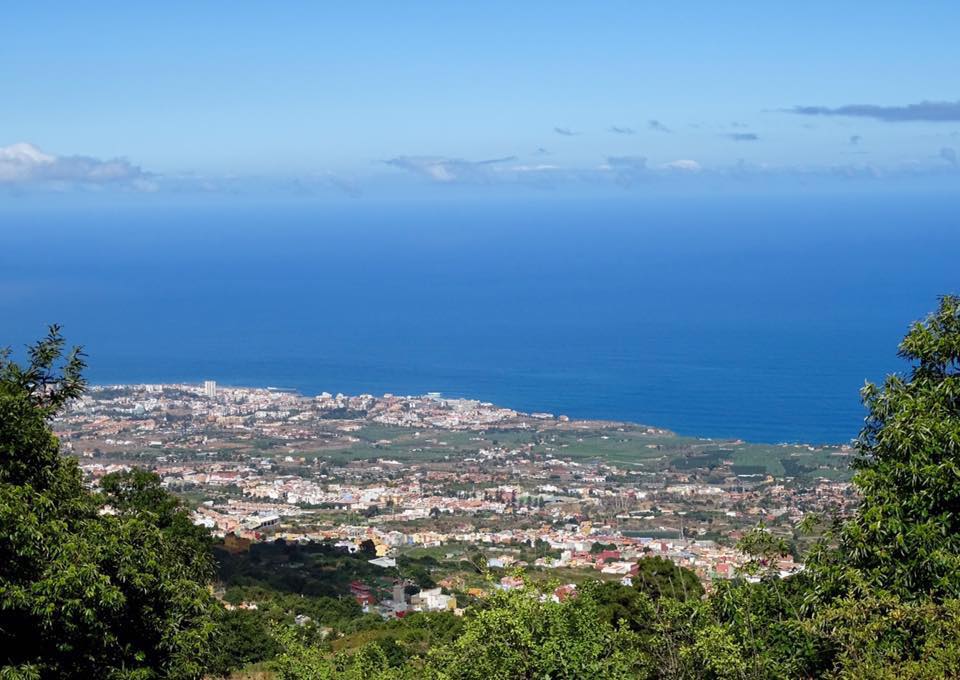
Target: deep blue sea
(754,318)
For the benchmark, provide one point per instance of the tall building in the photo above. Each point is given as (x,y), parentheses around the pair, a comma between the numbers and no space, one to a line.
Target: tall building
(399,596)
(210,388)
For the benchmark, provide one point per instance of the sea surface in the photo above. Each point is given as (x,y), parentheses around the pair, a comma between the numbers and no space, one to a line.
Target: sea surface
(715,317)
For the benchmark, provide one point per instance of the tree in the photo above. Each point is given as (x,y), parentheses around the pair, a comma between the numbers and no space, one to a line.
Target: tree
(303,661)
(905,536)
(84,593)
(138,494)
(621,605)
(879,597)
(659,577)
(597,547)
(243,637)
(520,635)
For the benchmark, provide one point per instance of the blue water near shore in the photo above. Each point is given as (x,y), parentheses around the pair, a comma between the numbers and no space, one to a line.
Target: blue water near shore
(716,317)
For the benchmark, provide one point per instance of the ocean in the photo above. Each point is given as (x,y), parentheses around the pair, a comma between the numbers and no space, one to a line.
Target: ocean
(757,318)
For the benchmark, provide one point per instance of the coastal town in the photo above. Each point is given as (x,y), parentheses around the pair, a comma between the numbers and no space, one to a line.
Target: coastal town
(463,480)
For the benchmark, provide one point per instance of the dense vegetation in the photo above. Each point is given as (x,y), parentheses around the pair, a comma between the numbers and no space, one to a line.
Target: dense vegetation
(114,583)
(92,585)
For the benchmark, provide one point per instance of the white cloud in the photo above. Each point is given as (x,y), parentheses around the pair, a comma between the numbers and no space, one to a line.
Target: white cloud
(683,166)
(446,170)
(25,164)
(540,167)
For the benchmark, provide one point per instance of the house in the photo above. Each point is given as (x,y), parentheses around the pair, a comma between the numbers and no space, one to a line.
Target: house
(510,583)
(361,593)
(619,568)
(724,570)
(433,600)
(385,562)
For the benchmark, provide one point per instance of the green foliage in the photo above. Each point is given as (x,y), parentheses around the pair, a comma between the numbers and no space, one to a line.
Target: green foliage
(300,660)
(402,640)
(620,605)
(279,607)
(29,452)
(521,635)
(659,577)
(905,538)
(417,570)
(764,549)
(313,570)
(243,637)
(137,495)
(716,654)
(598,547)
(883,637)
(303,661)
(84,593)
(517,635)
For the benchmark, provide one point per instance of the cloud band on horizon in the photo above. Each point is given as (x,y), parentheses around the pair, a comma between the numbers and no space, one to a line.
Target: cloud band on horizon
(928,111)
(24,164)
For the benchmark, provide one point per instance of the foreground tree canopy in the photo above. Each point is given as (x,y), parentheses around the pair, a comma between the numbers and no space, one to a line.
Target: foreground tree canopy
(113,584)
(109,585)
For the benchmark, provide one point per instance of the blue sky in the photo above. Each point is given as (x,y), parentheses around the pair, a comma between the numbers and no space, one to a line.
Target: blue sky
(366,98)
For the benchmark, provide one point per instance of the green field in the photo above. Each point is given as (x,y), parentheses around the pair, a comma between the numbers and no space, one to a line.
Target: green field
(629,447)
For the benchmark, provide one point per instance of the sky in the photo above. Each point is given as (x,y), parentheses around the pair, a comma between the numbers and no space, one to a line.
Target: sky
(370,99)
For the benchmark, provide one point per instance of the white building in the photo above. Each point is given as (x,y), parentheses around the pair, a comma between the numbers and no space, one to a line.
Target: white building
(433,600)
(210,388)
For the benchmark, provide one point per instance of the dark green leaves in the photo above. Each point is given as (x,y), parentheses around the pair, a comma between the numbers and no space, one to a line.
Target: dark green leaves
(85,594)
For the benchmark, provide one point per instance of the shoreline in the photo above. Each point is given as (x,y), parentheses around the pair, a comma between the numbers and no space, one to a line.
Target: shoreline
(537,416)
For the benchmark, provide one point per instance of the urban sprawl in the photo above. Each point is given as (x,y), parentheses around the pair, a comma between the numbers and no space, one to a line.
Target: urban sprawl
(462,479)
